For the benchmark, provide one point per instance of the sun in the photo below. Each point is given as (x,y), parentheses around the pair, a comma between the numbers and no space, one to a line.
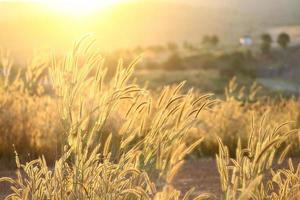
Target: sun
(80,7)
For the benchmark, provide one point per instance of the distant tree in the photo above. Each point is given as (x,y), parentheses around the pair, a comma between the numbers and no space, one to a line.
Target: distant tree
(206,40)
(283,40)
(214,40)
(156,48)
(174,62)
(266,37)
(211,41)
(172,46)
(189,46)
(266,42)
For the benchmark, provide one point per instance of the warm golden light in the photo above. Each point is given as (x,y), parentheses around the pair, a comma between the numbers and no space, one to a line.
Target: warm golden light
(80,7)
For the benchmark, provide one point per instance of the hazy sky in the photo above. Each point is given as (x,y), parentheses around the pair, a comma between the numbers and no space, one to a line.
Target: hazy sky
(148,22)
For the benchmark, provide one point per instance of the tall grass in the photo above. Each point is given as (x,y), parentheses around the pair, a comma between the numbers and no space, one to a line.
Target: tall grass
(241,178)
(28,118)
(118,140)
(231,119)
(135,160)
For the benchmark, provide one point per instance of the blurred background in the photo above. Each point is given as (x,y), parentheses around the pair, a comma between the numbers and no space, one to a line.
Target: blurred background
(220,38)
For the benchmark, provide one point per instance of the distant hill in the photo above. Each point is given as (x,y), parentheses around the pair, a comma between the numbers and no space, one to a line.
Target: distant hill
(162,21)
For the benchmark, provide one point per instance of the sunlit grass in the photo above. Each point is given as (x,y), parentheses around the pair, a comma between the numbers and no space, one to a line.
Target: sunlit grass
(115,139)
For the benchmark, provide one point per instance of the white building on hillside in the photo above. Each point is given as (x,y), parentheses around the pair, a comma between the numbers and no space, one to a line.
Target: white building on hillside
(246,40)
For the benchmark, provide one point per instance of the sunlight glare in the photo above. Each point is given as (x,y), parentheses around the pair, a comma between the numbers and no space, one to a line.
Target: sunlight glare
(80,7)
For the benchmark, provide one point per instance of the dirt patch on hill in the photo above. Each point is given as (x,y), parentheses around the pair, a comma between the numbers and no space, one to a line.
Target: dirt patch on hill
(200,174)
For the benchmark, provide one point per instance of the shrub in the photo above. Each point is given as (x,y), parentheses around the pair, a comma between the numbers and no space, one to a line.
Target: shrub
(283,40)
(266,42)
(174,62)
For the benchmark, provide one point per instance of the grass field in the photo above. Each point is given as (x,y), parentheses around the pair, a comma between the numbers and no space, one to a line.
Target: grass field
(77,133)
(157,100)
